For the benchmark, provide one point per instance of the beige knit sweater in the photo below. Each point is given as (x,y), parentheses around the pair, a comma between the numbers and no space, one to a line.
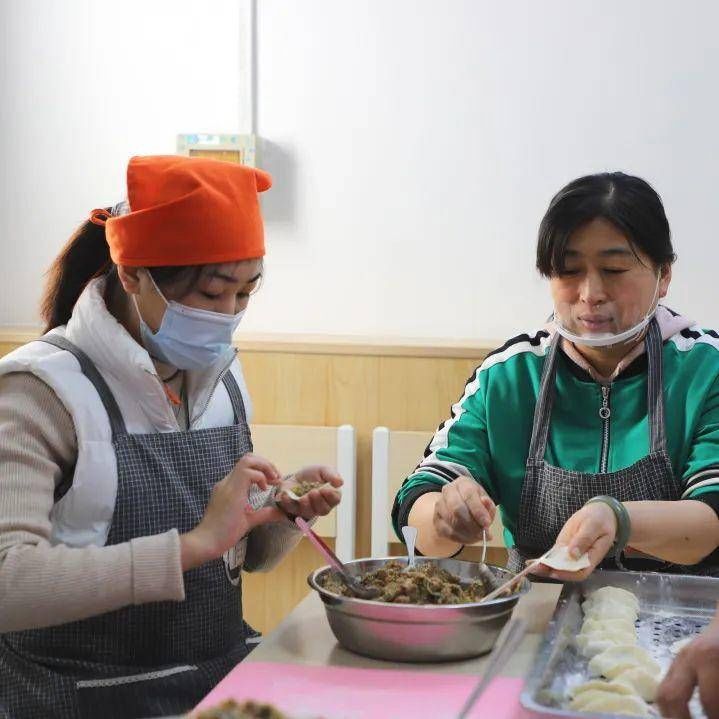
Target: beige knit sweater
(43,585)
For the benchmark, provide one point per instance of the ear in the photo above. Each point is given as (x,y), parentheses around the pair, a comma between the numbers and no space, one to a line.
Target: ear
(665,277)
(129,278)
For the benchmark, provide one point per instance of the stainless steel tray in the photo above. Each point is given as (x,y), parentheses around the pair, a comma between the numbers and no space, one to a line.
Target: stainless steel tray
(671,606)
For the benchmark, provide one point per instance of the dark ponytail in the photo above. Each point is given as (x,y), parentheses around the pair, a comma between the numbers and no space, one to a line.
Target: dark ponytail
(86,255)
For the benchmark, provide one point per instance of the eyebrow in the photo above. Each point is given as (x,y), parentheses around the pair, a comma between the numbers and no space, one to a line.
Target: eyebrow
(229,278)
(609,252)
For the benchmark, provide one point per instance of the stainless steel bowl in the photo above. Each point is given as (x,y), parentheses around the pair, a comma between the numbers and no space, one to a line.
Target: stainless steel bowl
(416,632)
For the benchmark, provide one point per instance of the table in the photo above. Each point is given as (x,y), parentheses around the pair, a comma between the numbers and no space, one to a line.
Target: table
(305,637)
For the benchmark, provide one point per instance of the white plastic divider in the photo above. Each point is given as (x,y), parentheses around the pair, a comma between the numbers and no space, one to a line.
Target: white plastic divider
(380,491)
(347,509)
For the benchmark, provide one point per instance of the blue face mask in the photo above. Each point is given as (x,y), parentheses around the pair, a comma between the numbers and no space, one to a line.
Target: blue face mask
(189,338)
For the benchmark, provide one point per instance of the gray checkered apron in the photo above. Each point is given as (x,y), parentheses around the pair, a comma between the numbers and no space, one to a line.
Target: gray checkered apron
(550,495)
(153,659)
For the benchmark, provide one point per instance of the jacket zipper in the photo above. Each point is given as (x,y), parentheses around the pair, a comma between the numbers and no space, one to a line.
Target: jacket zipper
(190,422)
(605,413)
(218,379)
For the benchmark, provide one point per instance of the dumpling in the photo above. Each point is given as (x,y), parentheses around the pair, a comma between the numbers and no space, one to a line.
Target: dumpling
(609,609)
(594,646)
(616,594)
(602,686)
(593,625)
(595,700)
(640,680)
(622,655)
(593,643)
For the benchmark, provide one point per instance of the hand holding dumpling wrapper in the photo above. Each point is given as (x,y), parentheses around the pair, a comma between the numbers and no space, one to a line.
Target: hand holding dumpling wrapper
(556,558)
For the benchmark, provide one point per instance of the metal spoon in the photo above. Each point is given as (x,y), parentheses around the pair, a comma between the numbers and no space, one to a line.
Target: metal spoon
(352,583)
(485,573)
(410,538)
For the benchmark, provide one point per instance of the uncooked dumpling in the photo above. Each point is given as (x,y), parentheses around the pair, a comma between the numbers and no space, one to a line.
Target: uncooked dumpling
(593,643)
(595,700)
(609,609)
(640,680)
(615,594)
(558,558)
(627,655)
(602,686)
(594,625)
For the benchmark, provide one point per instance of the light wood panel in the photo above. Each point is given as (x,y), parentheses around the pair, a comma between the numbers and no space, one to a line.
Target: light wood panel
(405,393)
(364,387)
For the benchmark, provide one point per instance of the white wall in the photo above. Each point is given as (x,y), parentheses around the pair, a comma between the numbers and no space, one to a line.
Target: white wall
(84,85)
(427,138)
(415,144)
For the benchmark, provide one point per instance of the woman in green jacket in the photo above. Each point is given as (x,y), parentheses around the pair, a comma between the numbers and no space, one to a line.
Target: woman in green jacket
(600,430)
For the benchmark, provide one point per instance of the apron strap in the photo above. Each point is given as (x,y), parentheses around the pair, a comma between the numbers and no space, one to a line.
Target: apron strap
(117,423)
(655,389)
(543,409)
(655,395)
(233,390)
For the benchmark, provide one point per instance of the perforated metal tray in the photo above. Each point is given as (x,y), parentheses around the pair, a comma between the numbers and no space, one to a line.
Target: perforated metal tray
(671,607)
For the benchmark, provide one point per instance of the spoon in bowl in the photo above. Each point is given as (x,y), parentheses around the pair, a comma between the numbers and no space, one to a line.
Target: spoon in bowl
(410,538)
(353,584)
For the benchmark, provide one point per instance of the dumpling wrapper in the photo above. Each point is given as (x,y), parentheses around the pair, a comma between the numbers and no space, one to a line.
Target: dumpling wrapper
(640,680)
(558,558)
(616,594)
(610,702)
(602,686)
(608,663)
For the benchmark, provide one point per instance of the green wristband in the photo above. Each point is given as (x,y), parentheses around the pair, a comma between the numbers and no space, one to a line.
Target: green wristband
(624,525)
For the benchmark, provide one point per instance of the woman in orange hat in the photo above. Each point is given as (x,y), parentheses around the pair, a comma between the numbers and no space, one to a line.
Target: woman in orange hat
(130,498)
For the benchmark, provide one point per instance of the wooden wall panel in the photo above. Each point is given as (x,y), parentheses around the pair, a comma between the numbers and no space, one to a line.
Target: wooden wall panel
(307,386)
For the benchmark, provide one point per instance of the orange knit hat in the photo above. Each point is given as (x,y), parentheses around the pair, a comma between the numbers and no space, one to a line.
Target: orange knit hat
(188,211)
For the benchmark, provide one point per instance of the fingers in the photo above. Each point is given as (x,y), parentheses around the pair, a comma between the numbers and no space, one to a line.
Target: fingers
(676,689)
(481,507)
(264,515)
(329,475)
(563,576)
(585,537)
(457,525)
(463,511)
(709,688)
(316,502)
(264,473)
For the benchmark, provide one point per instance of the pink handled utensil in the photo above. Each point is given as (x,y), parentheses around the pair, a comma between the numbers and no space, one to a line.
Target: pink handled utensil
(352,583)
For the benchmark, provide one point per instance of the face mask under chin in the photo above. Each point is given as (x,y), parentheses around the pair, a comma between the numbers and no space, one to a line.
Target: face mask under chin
(610,339)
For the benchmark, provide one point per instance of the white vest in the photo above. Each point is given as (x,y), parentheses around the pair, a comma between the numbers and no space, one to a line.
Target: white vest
(83,515)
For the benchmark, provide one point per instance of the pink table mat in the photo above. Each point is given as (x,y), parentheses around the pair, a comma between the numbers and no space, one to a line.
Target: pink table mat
(345,693)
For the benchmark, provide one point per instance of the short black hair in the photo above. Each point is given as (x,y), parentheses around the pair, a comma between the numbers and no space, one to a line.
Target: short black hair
(628,202)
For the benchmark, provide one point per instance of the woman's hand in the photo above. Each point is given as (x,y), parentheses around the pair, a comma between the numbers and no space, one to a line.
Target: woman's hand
(317,502)
(229,516)
(696,665)
(592,530)
(463,511)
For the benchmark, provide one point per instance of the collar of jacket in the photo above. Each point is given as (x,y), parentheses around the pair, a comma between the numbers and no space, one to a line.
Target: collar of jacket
(114,352)
(670,323)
